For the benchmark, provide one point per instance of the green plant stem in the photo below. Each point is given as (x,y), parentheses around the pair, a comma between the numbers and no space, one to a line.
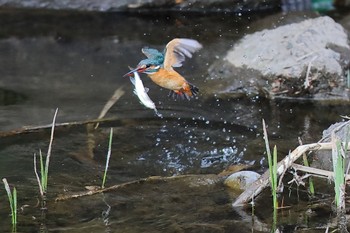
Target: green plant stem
(274,178)
(44,166)
(108,157)
(272,161)
(311,183)
(338,156)
(12,197)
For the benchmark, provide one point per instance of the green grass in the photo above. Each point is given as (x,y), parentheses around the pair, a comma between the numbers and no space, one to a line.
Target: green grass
(108,157)
(44,165)
(339,173)
(272,161)
(311,183)
(12,197)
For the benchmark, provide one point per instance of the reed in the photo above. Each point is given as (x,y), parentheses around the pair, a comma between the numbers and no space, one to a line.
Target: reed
(272,161)
(12,197)
(311,182)
(44,165)
(108,157)
(338,158)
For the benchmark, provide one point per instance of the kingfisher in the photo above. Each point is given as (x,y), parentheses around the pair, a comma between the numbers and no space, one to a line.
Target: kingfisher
(159,66)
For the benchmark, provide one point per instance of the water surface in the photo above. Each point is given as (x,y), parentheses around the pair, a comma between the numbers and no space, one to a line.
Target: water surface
(74,62)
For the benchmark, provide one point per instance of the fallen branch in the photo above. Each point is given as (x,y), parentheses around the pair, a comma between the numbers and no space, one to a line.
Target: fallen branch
(98,190)
(31,129)
(316,172)
(257,187)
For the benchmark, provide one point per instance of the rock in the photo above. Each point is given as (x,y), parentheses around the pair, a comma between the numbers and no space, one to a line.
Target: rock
(275,63)
(130,5)
(241,179)
(323,159)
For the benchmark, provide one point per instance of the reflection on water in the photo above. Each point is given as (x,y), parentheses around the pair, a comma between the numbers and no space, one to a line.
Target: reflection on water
(75,61)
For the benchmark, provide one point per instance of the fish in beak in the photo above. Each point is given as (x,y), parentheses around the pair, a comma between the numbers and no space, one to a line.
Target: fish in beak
(138,69)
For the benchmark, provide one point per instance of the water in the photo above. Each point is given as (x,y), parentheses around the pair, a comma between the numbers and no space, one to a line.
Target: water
(74,62)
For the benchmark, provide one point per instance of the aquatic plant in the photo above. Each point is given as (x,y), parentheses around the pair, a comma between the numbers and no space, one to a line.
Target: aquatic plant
(272,161)
(108,157)
(311,182)
(338,159)
(44,169)
(12,197)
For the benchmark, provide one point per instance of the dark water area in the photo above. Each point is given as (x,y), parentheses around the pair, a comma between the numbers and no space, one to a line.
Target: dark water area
(74,62)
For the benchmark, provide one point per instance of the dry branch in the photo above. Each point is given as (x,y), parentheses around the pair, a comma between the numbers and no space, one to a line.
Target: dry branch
(138,181)
(257,187)
(114,98)
(315,171)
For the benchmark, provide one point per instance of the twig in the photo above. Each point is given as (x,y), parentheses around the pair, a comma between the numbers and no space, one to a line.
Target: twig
(307,81)
(115,97)
(28,129)
(316,172)
(138,181)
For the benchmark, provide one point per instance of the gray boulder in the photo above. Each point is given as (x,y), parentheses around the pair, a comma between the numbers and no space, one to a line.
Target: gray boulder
(307,60)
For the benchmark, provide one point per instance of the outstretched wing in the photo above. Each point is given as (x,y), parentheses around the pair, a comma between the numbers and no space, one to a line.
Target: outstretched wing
(177,50)
(151,53)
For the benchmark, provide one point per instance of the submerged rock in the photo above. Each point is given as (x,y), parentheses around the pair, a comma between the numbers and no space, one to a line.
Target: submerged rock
(241,179)
(308,59)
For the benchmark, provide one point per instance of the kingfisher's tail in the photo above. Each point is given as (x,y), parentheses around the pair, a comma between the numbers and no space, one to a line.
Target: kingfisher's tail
(187,92)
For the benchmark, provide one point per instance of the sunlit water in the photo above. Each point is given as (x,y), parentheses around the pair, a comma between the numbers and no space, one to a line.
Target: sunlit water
(74,62)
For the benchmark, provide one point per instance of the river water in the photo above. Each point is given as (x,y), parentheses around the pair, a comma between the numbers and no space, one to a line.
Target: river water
(74,62)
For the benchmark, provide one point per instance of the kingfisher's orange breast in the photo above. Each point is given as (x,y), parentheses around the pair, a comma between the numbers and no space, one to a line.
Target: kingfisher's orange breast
(169,79)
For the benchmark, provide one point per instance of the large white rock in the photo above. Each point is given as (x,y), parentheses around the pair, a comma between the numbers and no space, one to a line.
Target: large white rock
(288,50)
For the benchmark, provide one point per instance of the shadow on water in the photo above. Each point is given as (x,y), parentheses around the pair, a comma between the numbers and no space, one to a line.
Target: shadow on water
(74,61)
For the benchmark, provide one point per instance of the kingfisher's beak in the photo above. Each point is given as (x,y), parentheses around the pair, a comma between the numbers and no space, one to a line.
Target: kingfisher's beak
(137,69)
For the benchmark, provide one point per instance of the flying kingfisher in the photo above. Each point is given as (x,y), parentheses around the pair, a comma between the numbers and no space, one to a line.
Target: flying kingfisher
(159,66)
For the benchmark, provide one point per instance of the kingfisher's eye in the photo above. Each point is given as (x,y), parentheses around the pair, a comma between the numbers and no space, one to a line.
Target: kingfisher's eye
(148,65)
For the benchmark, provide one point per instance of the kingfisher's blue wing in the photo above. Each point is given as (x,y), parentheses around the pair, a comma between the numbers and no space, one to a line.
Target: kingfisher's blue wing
(152,54)
(177,50)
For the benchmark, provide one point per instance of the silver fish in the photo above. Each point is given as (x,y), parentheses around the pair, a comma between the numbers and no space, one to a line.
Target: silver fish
(141,93)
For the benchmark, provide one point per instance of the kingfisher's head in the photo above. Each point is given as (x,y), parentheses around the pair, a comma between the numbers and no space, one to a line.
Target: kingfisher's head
(147,66)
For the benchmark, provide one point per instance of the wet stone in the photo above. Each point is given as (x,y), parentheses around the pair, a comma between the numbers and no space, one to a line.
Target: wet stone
(241,179)
(323,159)
(308,59)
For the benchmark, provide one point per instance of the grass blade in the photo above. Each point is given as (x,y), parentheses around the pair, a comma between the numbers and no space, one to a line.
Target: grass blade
(12,197)
(14,217)
(108,157)
(44,166)
(272,161)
